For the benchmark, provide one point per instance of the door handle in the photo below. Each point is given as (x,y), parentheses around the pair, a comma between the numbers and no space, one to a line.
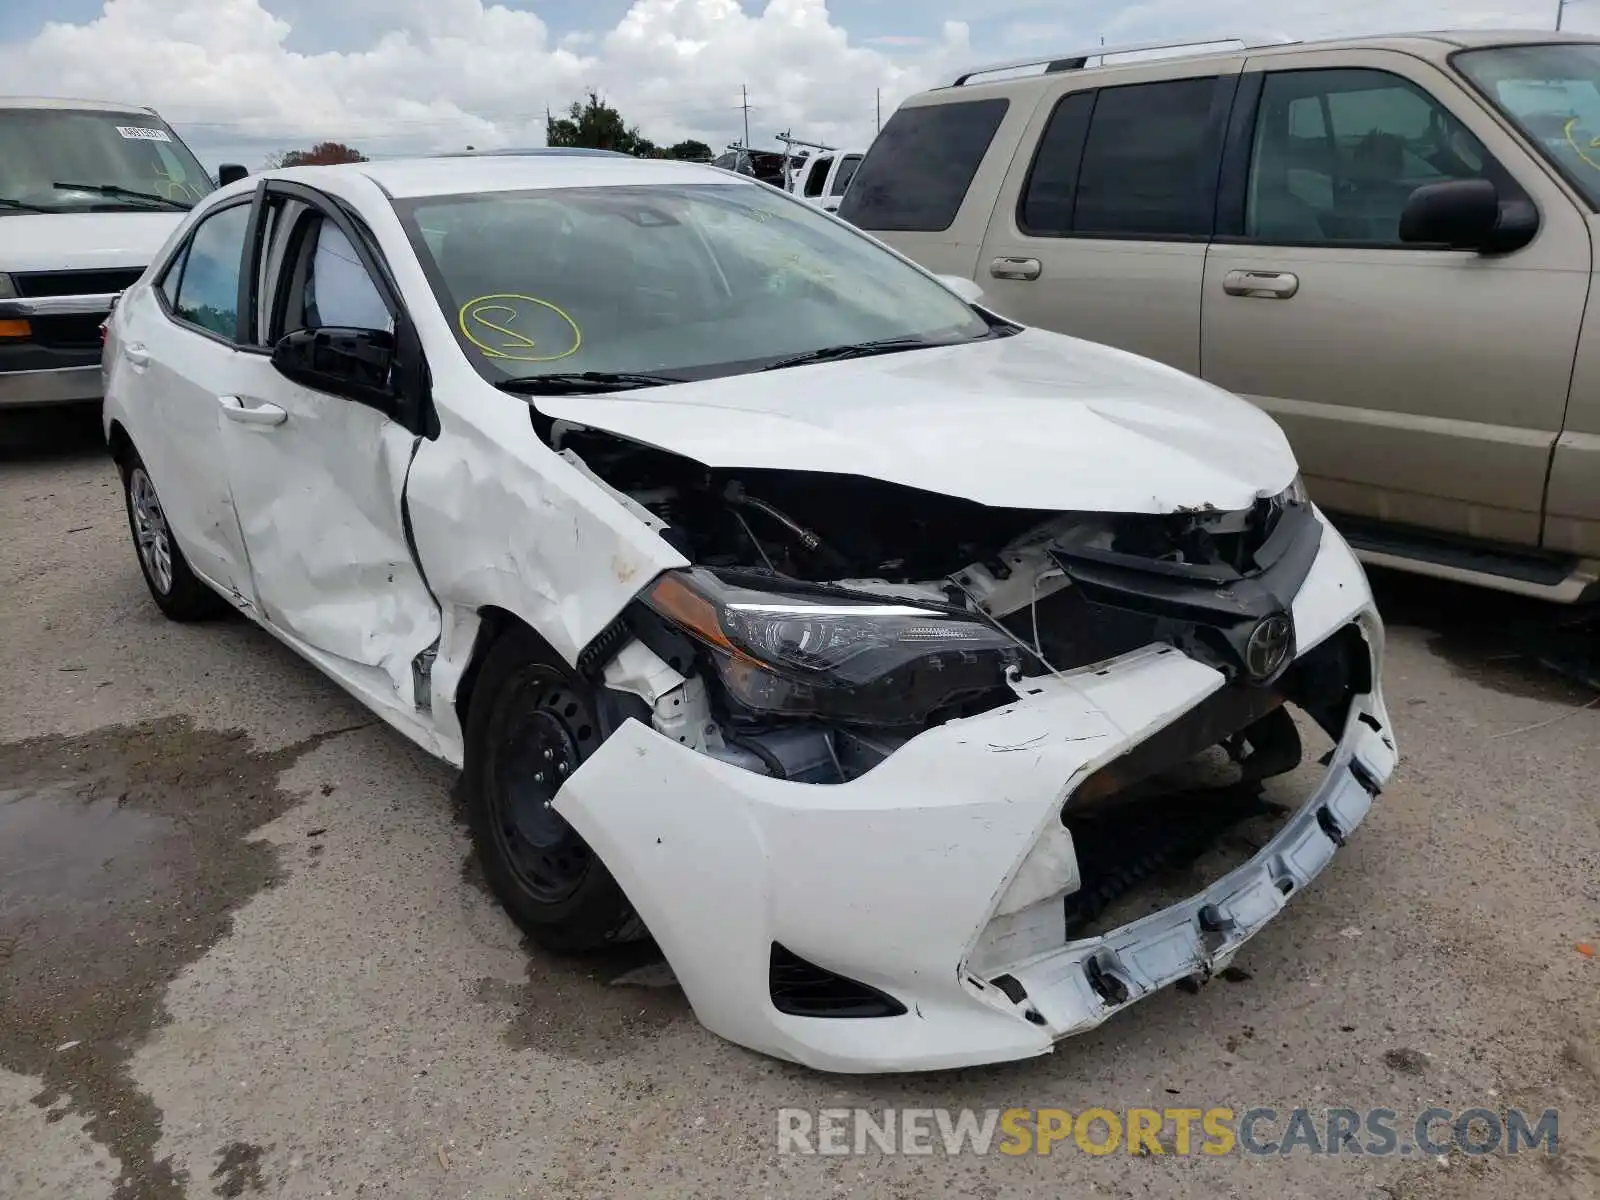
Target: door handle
(1015,268)
(237,408)
(1263,285)
(137,356)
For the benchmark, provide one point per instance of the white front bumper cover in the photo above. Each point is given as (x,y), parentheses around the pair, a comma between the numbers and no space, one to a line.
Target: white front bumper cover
(895,879)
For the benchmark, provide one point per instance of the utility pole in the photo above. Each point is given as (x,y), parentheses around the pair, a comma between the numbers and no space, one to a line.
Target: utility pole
(1561,7)
(880,110)
(744,98)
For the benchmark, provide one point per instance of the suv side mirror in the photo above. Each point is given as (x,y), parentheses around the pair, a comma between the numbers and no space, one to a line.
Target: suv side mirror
(230,173)
(1467,214)
(353,363)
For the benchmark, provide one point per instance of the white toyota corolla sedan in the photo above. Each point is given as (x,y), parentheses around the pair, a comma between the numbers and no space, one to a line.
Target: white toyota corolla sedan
(928,687)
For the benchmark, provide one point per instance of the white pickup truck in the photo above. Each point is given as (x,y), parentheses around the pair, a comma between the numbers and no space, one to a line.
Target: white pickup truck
(89,191)
(821,179)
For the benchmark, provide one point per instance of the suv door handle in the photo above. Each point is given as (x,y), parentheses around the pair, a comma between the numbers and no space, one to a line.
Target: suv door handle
(136,355)
(1262,285)
(1015,268)
(237,408)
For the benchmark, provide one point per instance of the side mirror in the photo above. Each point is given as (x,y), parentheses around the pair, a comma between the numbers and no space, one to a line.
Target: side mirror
(353,363)
(230,173)
(1467,214)
(968,289)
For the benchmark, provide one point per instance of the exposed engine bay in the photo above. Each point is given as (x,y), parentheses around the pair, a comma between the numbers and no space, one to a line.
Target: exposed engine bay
(911,607)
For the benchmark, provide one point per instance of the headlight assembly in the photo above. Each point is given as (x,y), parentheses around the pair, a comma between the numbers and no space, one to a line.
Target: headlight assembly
(858,661)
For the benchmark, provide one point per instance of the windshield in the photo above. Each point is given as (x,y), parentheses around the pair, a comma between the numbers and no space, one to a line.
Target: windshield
(691,281)
(1551,92)
(117,156)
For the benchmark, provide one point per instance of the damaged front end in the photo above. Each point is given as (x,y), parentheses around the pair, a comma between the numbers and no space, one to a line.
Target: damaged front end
(942,755)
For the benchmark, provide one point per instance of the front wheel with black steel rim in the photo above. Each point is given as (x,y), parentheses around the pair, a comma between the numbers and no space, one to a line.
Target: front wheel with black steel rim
(530,723)
(175,588)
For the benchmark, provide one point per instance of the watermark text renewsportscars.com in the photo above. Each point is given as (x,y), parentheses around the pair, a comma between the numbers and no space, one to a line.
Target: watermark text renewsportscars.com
(1259,1132)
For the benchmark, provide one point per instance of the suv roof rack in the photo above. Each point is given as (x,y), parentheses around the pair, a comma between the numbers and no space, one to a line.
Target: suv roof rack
(1076,60)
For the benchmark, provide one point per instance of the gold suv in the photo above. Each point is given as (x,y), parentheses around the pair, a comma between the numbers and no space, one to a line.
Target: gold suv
(1387,243)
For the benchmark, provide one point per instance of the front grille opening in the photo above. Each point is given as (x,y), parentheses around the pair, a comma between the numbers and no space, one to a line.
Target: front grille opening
(1203,795)
(75,283)
(803,989)
(69,331)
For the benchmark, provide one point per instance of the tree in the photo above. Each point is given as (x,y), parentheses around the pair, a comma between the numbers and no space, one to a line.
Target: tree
(690,151)
(596,125)
(322,154)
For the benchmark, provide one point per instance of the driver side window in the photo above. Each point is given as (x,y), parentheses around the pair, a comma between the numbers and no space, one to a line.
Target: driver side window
(1338,153)
(325,285)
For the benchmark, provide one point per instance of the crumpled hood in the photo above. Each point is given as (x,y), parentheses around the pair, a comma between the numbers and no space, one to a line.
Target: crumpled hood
(83,241)
(1035,421)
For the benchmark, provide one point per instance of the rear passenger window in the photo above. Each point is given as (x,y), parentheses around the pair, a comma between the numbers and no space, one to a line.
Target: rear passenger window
(208,293)
(1149,165)
(919,168)
(1046,209)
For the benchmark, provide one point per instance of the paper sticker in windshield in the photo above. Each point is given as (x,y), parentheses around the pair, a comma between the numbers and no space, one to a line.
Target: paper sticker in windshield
(519,328)
(143,133)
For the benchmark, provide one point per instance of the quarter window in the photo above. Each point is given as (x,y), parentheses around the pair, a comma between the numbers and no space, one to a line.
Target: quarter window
(919,168)
(1337,154)
(208,292)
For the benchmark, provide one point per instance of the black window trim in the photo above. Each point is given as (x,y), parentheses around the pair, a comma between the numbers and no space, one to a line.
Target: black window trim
(179,261)
(1234,190)
(1223,102)
(1562,170)
(417,412)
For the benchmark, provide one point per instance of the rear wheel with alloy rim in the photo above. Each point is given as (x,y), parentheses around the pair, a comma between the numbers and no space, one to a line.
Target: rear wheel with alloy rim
(529,726)
(175,588)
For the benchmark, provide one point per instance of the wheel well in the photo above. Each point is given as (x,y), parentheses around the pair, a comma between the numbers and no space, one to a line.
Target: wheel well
(492,622)
(119,442)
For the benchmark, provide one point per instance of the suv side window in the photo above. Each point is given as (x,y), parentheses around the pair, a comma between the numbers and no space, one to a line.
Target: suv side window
(208,292)
(1149,162)
(1047,197)
(1337,153)
(919,168)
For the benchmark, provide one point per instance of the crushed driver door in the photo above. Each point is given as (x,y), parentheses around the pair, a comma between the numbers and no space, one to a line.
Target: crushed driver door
(318,470)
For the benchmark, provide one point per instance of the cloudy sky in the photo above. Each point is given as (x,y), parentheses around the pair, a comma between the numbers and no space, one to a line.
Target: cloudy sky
(241,78)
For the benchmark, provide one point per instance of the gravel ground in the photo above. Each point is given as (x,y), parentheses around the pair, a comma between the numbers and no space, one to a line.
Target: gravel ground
(244,951)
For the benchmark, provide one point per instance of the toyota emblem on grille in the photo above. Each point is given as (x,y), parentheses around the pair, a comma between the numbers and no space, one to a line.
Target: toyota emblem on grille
(1268,646)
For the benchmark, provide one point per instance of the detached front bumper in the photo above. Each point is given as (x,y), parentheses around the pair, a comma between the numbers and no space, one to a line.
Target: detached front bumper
(941,870)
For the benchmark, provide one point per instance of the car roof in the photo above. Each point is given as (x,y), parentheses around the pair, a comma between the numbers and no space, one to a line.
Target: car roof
(404,178)
(1435,44)
(539,151)
(71,105)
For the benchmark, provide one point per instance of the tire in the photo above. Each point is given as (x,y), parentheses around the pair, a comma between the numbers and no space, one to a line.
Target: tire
(176,589)
(530,722)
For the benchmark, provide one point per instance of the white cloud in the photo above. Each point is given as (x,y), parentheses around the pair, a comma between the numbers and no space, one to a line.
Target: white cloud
(451,72)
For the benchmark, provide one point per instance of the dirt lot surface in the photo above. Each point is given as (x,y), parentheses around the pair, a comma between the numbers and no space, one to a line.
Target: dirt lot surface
(243,950)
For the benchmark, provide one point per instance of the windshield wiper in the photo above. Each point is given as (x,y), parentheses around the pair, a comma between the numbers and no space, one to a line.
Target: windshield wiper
(854,350)
(573,383)
(8,202)
(122,193)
